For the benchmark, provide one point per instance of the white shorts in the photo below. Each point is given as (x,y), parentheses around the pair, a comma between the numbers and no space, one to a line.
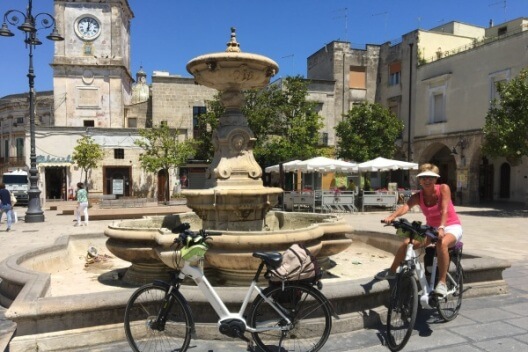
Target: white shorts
(455,230)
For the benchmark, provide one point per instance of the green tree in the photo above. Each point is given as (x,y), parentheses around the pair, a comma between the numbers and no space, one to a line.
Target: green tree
(163,150)
(206,124)
(285,124)
(506,127)
(87,154)
(366,132)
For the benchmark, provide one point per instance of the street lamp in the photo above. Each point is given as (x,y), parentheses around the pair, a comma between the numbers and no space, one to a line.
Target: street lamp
(30,29)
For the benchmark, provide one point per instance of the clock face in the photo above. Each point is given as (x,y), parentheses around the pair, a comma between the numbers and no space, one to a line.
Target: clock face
(88,28)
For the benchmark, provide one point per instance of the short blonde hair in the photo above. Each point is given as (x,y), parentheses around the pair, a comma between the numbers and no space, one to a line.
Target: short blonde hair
(429,167)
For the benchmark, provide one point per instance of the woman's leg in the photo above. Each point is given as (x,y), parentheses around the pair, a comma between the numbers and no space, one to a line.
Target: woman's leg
(442,253)
(86,214)
(9,217)
(78,215)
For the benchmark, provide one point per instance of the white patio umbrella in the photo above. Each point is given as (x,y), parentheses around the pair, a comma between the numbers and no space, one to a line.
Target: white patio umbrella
(323,164)
(276,168)
(383,164)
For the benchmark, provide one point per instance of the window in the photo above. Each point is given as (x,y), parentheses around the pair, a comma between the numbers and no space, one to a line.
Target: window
(437,97)
(20,147)
(6,149)
(495,78)
(197,111)
(437,107)
(323,139)
(132,122)
(357,77)
(119,153)
(20,120)
(88,123)
(502,30)
(394,73)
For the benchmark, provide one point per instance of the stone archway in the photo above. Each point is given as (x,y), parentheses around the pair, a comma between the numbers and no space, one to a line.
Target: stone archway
(439,154)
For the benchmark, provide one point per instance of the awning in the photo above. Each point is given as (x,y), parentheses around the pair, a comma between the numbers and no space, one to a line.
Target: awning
(55,164)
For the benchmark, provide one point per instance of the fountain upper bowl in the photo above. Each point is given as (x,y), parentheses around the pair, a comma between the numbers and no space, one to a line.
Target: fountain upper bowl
(232,70)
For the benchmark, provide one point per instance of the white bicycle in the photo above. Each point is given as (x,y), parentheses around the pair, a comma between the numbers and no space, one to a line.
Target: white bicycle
(413,282)
(289,316)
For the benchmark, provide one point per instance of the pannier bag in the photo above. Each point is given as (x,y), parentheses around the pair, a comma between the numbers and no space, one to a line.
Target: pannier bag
(297,264)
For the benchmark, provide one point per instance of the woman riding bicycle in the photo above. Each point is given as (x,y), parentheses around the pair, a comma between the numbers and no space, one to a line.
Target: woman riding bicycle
(435,202)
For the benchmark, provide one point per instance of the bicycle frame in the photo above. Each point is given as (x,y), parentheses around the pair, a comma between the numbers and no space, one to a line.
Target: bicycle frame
(197,275)
(412,260)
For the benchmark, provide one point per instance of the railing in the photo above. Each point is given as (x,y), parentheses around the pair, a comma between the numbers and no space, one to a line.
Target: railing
(387,199)
(323,201)
(474,45)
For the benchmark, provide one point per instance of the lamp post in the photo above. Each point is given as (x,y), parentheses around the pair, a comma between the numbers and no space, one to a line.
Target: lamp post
(29,27)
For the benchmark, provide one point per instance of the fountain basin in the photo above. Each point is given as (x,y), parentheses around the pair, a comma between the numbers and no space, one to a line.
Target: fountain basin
(87,318)
(147,243)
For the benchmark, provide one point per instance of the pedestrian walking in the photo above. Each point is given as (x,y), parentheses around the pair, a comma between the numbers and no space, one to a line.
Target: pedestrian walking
(5,205)
(82,205)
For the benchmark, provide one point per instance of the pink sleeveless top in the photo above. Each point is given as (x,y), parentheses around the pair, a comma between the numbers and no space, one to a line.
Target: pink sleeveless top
(433,215)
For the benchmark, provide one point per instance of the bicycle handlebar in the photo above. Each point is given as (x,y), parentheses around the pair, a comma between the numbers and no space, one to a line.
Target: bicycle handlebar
(186,236)
(416,228)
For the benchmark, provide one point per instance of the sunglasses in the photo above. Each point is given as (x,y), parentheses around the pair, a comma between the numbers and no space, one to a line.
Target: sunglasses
(426,177)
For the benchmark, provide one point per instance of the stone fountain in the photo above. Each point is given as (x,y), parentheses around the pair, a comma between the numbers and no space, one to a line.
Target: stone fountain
(234,201)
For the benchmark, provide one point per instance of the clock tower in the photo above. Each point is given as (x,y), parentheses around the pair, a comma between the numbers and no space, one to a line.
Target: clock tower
(91,67)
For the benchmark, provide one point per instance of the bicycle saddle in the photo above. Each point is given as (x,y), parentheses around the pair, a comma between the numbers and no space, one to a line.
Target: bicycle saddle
(272,259)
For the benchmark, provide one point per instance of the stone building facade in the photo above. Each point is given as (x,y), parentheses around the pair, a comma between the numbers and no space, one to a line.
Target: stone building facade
(438,82)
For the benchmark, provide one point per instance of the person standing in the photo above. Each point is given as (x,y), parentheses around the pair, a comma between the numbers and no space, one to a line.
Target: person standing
(5,205)
(435,202)
(82,204)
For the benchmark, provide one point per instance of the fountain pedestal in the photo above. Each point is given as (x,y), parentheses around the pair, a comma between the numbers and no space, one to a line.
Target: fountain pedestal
(235,198)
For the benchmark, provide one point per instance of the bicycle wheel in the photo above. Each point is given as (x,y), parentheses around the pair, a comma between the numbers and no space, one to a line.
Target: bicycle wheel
(306,308)
(403,307)
(143,333)
(449,306)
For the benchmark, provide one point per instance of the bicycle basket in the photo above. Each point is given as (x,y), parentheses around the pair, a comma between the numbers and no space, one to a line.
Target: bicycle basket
(194,253)
(406,234)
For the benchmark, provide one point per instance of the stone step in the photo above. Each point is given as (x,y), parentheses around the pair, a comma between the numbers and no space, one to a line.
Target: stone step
(7,330)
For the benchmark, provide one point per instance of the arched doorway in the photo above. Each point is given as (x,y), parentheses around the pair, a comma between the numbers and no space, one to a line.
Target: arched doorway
(505,172)
(440,155)
(163,191)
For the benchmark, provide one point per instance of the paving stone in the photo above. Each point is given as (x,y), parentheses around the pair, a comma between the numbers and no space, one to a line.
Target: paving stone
(506,344)
(484,315)
(488,331)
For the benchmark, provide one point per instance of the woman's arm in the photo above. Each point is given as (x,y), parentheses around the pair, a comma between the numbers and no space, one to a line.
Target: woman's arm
(414,200)
(445,192)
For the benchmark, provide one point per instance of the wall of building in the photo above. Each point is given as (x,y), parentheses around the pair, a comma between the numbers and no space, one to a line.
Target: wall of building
(173,99)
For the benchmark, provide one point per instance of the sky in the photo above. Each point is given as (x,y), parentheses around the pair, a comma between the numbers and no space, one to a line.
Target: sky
(166,34)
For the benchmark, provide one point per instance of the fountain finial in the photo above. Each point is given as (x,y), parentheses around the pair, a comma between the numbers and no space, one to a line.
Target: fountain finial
(233,46)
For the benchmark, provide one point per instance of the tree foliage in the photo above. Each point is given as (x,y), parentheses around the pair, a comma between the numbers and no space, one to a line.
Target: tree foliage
(206,124)
(285,124)
(366,132)
(163,150)
(87,154)
(506,127)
